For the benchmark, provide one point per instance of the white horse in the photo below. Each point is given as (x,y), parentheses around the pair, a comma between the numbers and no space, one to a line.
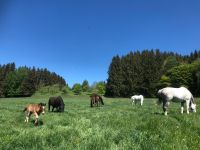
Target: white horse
(137,98)
(181,94)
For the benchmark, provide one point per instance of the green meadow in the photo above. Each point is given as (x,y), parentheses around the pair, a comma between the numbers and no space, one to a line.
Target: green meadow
(117,125)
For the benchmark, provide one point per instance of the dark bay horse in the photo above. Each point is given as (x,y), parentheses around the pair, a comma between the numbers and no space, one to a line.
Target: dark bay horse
(36,109)
(56,102)
(95,100)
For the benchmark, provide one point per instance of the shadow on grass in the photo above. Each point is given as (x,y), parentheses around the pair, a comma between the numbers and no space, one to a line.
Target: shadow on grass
(55,111)
(158,113)
(40,122)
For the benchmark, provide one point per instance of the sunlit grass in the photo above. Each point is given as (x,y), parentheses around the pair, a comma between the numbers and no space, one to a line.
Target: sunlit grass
(116,125)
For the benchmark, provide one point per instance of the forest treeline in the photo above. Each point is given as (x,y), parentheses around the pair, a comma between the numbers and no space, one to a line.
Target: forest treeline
(147,71)
(24,81)
(139,72)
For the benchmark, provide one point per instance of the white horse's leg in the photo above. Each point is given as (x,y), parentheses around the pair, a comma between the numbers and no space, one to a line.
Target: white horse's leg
(182,107)
(187,106)
(141,102)
(133,101)
(165,106)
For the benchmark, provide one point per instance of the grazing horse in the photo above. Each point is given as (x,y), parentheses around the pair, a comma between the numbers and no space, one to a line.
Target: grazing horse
(137,98)
(181,94)
(95,100)
(36,109)
(56,102)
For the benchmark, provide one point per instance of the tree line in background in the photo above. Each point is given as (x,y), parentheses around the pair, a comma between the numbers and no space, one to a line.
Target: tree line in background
(96,87)
(135,73)
(147,71)
(24,81)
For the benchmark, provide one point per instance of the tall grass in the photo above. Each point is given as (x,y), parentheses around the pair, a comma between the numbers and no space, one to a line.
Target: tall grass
(116,125)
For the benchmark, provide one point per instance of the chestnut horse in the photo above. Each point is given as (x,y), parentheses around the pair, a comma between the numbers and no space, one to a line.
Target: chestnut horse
(95,100)
(36,109)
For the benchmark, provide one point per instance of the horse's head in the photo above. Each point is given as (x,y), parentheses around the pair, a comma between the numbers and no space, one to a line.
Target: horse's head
(42,107)
(62,107)
(193,107)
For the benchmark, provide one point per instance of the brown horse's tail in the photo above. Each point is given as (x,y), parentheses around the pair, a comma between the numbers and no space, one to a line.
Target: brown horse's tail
(91,102)
(25,109)
(101,100)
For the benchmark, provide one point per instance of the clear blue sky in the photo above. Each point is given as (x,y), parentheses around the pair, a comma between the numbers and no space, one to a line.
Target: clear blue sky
(78,38)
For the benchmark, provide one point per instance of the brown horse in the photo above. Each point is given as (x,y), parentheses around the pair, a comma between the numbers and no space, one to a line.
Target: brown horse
(36,109)
(95,100)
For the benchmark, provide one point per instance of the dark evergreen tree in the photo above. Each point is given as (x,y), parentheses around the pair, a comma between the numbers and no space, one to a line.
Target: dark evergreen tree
(24,81)
(115,80)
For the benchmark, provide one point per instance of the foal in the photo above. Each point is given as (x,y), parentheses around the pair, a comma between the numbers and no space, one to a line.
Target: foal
(36,109)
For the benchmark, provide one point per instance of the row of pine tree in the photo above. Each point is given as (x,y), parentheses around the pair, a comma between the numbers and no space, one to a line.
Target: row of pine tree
(24,81)
(147,71)
(135,73)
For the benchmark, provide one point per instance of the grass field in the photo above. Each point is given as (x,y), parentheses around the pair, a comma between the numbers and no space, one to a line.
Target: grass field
(116,125)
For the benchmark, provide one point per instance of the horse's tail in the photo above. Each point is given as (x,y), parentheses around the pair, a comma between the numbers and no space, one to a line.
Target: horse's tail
(25,109)
(91,102)
(101,100)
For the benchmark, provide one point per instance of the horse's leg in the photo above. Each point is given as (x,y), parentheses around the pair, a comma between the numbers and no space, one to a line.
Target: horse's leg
(165,106)
(36,118)
(91,103)
(48,107)
(132,102)
(26,119)
(182,107)
(52,108)
(27,116)
(187,106)
(141,102)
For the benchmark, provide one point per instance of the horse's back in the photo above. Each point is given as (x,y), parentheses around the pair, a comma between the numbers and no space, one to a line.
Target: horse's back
(137,97)
(56,101)
(175,93)
(32,107)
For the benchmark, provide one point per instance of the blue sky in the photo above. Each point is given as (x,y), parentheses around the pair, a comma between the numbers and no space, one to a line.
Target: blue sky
(78,38)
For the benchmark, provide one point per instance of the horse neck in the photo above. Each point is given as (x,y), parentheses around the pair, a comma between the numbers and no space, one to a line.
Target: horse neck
(39,109)
(191,102)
